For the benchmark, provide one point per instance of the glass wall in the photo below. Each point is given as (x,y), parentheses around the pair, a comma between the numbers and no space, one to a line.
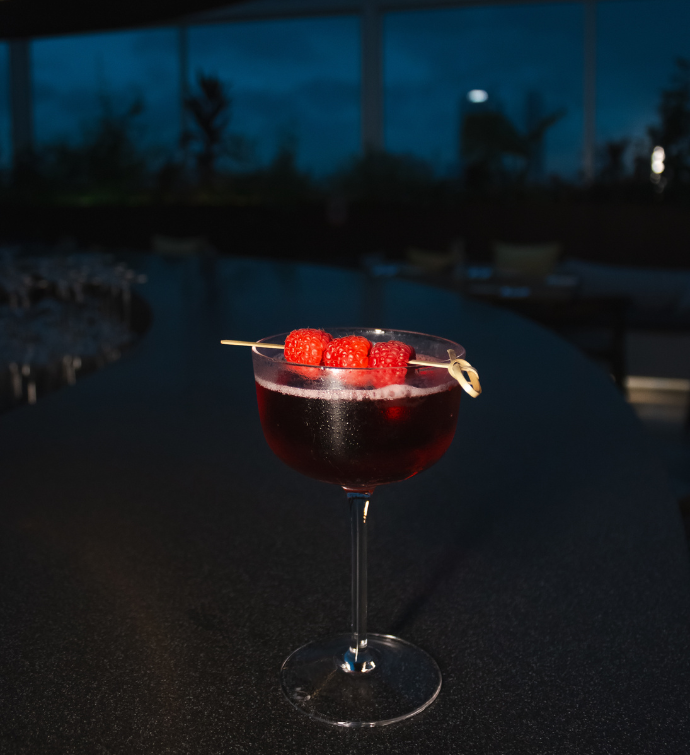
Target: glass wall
(527,59)
(76,78)
(637,44)
(5,138)
(297,82)
(294,82)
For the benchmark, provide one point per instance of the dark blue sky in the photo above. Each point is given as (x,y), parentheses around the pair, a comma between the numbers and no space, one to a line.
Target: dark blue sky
(301,77)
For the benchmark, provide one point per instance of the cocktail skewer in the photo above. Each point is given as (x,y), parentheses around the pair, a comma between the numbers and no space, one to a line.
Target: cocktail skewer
(456,367)
(282,346)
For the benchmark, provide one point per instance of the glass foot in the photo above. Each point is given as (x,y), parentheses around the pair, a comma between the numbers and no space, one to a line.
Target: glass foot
(403,681)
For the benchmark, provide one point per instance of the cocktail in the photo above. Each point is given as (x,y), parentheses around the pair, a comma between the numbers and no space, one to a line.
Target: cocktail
(360,427)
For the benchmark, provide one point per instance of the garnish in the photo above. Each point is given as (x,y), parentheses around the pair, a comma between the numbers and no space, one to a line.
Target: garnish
(457,367)
(306,346)
(348,351)
(390,354)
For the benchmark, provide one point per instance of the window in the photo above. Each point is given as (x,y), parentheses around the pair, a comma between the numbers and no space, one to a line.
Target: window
(294,81)
(638,41)
(75,77)
(528,59)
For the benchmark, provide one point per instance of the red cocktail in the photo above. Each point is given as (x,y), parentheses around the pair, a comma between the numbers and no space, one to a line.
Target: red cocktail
(360,438)
(358,428)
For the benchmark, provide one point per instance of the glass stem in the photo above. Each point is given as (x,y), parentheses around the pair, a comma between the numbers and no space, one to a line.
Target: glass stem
(358,658)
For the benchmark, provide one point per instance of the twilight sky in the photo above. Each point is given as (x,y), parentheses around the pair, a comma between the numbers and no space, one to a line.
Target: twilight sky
(300,78)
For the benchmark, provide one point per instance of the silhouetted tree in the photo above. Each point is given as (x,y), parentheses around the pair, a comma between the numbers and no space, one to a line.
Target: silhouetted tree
(211,110)
(108,164)
(283,180)
(673,130)
(377,175)
(613,169)
(496,153)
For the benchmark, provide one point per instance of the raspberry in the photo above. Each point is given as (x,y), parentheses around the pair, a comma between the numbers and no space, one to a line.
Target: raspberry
(390,354)
(306,346)
(348,351)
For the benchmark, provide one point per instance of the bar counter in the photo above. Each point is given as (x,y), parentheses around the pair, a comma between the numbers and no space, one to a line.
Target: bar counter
(159,563)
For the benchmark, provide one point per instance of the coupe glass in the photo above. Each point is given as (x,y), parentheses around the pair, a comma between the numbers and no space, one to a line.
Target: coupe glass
(352,427)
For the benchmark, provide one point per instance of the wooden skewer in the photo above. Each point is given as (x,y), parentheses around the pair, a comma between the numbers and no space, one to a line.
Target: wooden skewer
(281,346)
(419,362)
(455,367)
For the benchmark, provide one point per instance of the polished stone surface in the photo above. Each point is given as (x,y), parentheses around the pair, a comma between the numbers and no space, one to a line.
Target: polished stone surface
(158,563)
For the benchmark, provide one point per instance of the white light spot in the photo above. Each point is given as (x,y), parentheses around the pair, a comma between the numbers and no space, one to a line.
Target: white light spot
(477,95)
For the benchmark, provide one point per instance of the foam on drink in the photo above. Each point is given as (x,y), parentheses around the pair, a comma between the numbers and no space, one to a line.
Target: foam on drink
(391,392)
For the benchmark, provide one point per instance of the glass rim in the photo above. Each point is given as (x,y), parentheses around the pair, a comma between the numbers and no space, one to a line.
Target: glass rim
(460,350)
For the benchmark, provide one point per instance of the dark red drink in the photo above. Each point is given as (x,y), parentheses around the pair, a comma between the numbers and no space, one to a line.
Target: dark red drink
(359,415)
(357,438)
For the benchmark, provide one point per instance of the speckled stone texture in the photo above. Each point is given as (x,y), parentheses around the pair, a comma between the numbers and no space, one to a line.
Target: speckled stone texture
(158,563)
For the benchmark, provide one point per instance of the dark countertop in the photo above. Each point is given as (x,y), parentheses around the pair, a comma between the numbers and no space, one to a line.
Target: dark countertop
(159,563)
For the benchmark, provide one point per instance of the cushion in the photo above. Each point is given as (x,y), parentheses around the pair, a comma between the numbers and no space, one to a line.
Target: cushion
(526,259)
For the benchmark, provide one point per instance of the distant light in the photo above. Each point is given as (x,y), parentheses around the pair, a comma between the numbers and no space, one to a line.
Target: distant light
(477,95)
(658,157)
(639,383)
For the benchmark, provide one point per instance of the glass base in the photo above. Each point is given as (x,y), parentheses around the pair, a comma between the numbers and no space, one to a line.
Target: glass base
(403,682)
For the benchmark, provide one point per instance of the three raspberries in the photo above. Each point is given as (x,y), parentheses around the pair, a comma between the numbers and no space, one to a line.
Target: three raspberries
(311,346)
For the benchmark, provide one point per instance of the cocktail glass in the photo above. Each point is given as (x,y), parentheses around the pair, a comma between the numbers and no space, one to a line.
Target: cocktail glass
(337,426)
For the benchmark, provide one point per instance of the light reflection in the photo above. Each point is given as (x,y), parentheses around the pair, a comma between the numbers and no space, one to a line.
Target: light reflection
(477,95)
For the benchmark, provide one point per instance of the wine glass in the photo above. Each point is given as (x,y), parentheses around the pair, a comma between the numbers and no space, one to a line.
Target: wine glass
(355,428)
